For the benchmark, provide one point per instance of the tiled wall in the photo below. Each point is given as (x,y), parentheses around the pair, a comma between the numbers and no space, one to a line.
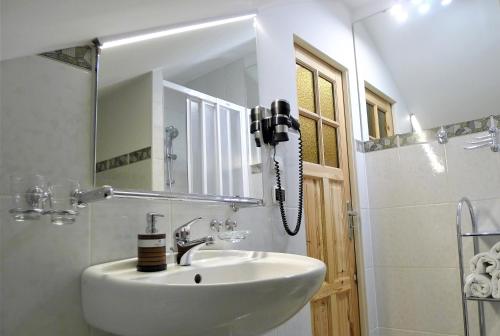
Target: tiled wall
(413,191)
(41,263)
(46,122)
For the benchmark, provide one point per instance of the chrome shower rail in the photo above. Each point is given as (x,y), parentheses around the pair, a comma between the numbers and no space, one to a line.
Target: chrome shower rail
(107,192)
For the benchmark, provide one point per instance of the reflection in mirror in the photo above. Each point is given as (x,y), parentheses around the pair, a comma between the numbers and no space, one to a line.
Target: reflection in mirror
(173,113)
(435,60)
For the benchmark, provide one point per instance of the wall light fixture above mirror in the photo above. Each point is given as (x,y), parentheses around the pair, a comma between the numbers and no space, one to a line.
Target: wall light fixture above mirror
(173,109)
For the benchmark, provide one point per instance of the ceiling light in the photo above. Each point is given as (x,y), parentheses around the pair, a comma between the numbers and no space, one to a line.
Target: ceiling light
(446,2)
(424,7)
(399,13)
(172,31)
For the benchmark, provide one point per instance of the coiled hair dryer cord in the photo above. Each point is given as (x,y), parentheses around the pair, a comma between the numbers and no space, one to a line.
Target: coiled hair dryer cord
(301,191)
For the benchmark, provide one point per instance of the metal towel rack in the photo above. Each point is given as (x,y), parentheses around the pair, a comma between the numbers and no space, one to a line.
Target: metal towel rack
(107,192)
(488,140)
(475,235)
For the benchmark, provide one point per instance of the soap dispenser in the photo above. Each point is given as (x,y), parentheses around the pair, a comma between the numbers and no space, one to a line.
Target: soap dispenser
(151,247)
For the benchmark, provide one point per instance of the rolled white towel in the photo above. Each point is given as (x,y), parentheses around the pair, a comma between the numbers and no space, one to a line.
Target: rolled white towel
(495,251)
(484,263)
(495,284)
(478,285)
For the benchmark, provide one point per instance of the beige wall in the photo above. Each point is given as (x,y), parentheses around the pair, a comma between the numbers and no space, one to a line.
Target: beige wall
(124,122)
(124,117)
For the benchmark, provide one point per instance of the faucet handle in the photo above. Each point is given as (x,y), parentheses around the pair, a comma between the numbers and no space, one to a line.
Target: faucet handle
(183,232)
(231,225)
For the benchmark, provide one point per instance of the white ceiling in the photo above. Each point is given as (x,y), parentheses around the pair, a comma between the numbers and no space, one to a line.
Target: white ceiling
(34,26)
(355,4)
(181,57)
(445,63)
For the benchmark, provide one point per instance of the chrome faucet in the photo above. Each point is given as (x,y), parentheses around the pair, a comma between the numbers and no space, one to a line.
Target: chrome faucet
(185,247)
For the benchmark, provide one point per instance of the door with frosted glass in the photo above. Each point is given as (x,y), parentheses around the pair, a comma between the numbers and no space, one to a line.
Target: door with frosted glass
(334,308)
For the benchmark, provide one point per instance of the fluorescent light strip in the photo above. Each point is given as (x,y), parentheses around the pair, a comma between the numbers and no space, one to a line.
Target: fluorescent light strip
(174,31)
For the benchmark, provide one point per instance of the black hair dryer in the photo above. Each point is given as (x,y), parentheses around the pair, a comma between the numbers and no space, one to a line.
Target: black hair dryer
(270,127)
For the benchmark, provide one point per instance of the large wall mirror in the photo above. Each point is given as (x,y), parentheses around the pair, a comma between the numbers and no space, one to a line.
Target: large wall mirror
(426,64)
(173,113)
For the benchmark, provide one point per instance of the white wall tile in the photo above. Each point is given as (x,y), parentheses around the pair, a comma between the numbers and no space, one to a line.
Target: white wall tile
(422,175)
(382,173)
(410,175)
(98,332)
(362,180)
(282,242)
(116,223)
(46,118)
(371,298)
(259,222)
(421,236)
(421,299)
(270,333)
(366,237)
(399,332)
(41,267)
(472,173)
(298,325)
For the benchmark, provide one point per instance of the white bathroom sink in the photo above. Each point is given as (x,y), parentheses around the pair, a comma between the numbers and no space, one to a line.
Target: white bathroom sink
(240,293)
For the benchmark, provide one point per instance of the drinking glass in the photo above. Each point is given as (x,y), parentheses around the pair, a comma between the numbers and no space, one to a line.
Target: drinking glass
(62,201)
(29,194)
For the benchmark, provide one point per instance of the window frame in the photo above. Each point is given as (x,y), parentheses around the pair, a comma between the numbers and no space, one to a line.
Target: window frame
(379,101)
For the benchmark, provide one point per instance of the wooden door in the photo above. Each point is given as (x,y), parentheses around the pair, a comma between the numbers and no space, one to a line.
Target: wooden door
(327,194)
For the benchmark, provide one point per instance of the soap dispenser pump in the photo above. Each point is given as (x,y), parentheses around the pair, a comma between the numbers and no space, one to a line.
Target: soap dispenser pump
(151,247)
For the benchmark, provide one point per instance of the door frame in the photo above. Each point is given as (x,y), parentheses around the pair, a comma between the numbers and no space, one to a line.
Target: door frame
(351,150)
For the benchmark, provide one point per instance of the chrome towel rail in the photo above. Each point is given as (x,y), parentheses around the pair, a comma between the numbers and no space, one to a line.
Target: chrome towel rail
(107,192)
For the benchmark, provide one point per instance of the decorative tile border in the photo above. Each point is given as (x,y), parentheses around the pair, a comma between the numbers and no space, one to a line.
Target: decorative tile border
(406,139)
(77,56)
(124,160)
(139,155)
(379,144)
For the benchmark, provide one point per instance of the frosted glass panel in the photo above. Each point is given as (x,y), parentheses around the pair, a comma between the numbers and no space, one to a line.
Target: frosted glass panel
(210,148)
(326,98)
(382,123)
(309,139)
(371,120)
(330,146)
(195,154)
(226,150)
(305,88)
(236,155)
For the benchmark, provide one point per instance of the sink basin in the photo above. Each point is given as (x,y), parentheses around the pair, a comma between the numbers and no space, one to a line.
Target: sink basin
(221,293)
